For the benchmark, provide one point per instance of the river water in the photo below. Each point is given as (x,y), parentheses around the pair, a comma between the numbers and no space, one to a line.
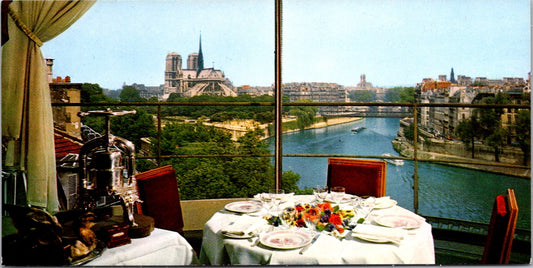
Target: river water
(444,191)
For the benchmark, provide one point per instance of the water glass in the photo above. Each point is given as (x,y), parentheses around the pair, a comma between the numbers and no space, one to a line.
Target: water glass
(320,193)
(368,205)
(276,196)
(337,193)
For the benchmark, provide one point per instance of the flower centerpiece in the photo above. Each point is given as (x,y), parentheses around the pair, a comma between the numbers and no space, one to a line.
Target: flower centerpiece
(321,216)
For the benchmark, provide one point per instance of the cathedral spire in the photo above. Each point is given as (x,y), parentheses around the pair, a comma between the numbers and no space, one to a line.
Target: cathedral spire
(452,77)
(200,56)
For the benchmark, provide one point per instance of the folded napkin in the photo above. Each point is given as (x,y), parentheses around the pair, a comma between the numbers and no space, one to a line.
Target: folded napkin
(395,235)
(244,225)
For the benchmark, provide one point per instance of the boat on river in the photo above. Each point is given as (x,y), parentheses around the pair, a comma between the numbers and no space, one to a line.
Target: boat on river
(396,162)
(357,129)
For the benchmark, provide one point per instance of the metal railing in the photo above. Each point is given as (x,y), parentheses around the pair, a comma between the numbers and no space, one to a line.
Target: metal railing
(415,158)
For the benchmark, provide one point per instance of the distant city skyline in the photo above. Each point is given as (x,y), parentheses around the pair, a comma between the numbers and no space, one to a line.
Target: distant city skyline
(392,42)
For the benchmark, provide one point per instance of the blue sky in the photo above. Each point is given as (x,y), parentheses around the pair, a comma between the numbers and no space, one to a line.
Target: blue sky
(392,42)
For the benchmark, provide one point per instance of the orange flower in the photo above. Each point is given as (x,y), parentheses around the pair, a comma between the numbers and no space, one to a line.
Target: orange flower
(310,216)
(314,211)
(325,206)
(335,219)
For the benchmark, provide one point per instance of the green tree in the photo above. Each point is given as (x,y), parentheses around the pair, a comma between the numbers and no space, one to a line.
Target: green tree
(133,127)
(305,114)
(468,130)
(130,94)
(523,133)
(400,94)
(93,93)
(490,122)
(362,95)
(219,177)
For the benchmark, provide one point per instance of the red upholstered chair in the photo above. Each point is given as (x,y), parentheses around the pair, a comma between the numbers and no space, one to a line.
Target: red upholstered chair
(501,230)
(358,176)
(158,189)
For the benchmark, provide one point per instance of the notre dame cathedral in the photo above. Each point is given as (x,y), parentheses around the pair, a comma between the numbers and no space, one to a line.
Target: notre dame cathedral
(195,80)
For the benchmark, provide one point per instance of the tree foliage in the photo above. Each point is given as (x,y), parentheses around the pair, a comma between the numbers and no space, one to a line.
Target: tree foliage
(490,122)
(400,94)
(305,114)
(130,94)
(263,114)
(523,133)
(219,177)
(468,130)
(362,95)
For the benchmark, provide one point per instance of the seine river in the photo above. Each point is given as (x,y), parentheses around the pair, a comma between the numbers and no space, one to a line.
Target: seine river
(444,191)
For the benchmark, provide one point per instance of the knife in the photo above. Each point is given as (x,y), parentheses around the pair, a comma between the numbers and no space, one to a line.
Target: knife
(310,244)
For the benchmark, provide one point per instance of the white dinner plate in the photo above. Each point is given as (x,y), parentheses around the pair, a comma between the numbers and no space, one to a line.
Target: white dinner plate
(286,239)
(385,204)
(370,238)
(402,221)
(243,206)
(345,199)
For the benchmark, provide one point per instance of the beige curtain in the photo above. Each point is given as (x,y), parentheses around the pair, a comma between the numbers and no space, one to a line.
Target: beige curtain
(27,121)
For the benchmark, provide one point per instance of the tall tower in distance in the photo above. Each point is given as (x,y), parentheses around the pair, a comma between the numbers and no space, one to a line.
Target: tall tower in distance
(452,77)
(173,72)
(200,56)
(192,61)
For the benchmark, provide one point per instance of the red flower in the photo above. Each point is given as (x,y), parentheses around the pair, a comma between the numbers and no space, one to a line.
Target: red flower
(335,219)
(299,208)
(300,223)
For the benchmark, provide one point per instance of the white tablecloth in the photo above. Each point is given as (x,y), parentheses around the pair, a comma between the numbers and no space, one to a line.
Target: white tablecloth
(161,247)
(416,248)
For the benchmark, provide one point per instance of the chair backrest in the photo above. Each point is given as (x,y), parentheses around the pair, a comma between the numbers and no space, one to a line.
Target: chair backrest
(361,177)
(501,229)
(158,189)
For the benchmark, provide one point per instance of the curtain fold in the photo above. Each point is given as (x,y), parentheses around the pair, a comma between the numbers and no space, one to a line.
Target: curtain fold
(27,120)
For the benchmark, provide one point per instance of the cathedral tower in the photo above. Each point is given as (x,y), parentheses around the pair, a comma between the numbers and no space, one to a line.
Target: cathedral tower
(200,56)
(452,78)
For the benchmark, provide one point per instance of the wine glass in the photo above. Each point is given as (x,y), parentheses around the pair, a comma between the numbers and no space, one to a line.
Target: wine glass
(320,193)
(266,201)
(368,205)
(276,196)
(337,193)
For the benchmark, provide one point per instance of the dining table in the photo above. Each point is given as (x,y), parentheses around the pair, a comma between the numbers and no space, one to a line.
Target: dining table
(161,247)
(384,233)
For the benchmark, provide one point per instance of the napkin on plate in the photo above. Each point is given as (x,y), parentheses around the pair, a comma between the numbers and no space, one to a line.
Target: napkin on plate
(395,235)
(244,225)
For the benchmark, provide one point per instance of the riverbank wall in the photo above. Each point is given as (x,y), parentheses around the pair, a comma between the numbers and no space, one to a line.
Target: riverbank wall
(441,149)
(237,128)
(328,122)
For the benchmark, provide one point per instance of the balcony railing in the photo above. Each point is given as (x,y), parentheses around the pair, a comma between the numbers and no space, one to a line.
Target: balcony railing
(412,107)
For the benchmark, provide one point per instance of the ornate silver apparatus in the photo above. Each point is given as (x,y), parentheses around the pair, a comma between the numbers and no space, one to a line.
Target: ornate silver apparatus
(107,167)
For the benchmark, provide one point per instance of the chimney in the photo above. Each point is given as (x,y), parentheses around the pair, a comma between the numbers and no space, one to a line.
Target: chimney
(49,62)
